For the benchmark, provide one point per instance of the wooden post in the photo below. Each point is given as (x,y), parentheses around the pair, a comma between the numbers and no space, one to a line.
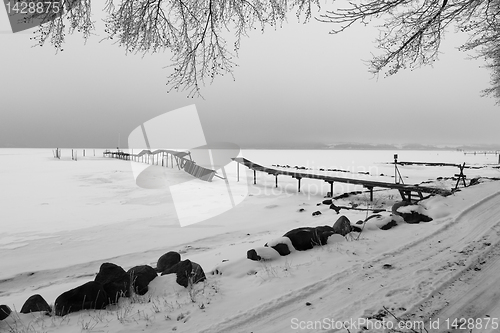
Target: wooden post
(298,178)
(84,153)
(238,170)
(371,193)
(254,177)
(461,176)
(276,180)
(395,168)
(94,152)
(331,189)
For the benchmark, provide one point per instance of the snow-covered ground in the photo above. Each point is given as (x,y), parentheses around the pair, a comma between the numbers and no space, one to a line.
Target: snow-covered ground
(61,219)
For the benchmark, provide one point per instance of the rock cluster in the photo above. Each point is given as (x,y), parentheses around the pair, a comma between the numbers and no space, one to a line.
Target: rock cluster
(410,213)
(111,283)
(300,239)
(187,271)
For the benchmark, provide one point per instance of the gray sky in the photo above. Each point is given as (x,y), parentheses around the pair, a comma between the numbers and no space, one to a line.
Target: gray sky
(294,86)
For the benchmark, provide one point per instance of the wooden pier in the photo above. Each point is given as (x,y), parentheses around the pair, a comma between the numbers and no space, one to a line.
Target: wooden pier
(408,192)
(182,159)
(484,152)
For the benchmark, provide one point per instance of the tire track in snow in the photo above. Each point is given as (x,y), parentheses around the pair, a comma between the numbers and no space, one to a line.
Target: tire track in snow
(474,293)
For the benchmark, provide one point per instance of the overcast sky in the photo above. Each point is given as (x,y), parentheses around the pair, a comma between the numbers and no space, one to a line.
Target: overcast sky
(295,86)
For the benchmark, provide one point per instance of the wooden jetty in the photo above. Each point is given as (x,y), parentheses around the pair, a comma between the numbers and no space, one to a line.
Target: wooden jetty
(425,163)
(408,192)
(183,161)
(494,152)
(483,152)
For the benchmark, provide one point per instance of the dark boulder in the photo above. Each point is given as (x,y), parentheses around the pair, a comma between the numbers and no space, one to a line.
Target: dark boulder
(262,254)
(4,311)
(183,271)
(392,223)
(197,273)
(316,213)
(415,217)
(356,228)
(36,303)
(306,238)
(90,295)
(474,181)
(140,277)
(335,208)
(322,233)
(167,260)
(187,273)
(342,226)
(282,245)
(412,214)
(302,238)
(115,281)
(252,255)
(327,202)
(282,249)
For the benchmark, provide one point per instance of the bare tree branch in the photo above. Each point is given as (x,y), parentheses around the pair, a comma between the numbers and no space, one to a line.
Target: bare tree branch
(204,36)
(413,29)
(194,31)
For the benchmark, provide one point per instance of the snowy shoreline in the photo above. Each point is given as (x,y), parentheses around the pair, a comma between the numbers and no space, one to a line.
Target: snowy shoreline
(68,241)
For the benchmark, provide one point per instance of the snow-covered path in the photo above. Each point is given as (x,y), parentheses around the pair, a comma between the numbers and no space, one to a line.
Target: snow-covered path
(417,271)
